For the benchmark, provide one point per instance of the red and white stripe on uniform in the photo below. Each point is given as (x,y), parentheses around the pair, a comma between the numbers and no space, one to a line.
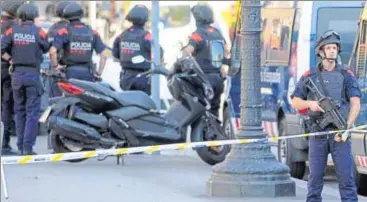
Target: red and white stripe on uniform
(270,128)
(361,161)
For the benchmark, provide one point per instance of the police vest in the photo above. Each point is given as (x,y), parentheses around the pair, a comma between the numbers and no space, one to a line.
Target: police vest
(52,33)
(210,57)
(132,44)
(6,23)
(25,47)
(334,85)
(54,29)
(79,50)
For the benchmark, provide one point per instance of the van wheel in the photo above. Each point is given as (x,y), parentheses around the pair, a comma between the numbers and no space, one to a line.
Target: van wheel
(297,169)
(361,181)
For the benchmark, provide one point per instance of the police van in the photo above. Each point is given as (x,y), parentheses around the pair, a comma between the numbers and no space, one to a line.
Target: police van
(290,30)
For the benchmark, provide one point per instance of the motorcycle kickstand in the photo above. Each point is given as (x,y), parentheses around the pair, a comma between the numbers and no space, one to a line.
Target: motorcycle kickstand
(120,160)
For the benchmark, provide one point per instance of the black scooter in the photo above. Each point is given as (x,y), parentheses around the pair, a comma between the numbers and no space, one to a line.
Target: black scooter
(92,116)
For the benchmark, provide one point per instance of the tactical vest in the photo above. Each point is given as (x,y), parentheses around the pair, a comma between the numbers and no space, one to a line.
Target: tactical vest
(210,57)
(132,44)
(334,85)
(52,33)
(79,50)
(25,48)
(6,23)
(54,29)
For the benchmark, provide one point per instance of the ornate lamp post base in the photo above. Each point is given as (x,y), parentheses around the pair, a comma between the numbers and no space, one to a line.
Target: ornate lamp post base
(251,170)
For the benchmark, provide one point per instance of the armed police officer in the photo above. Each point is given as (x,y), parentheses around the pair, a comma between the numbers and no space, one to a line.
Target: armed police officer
(8,18)
(20,40)
(132,42)
(78,42)
(209,48)
(339,84)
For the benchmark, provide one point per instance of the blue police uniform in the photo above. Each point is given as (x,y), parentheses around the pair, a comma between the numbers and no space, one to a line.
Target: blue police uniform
(7,113)
(321,146)
(132,42)
(209,54)
(26,43)
(78,41)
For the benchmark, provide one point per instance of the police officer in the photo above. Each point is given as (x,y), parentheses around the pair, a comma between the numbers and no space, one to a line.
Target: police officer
(132,42)
(20,40)
(341,85)
(78,41)
(210,50)
(54,89)
(8,18)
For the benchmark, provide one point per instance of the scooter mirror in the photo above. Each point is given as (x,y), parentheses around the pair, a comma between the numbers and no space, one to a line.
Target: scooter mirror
(137,59)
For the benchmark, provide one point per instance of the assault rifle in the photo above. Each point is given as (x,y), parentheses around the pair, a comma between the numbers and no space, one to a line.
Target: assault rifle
(332,114)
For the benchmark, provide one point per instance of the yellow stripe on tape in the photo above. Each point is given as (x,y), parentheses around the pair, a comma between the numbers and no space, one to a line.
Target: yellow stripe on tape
(90,154)
(244,141)
(152,148)
(213,143)
(183,146)
(276,138)
(24,160)
(57,157)
(121,151)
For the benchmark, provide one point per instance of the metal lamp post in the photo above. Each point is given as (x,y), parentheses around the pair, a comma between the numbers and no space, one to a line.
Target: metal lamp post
(251,169)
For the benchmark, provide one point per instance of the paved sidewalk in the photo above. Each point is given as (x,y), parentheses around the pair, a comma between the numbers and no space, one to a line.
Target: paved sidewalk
(143,178)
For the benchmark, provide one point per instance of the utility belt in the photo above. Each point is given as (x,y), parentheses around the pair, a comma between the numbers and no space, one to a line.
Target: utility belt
(133,70)
(311,125)
(26,68)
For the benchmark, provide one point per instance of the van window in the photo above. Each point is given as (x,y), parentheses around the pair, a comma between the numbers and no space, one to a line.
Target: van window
(342,20)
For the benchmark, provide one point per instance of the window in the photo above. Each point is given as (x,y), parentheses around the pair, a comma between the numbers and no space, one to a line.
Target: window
(342,20)
(276,36)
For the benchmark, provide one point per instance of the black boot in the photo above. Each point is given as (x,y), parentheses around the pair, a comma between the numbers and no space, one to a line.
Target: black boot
(29,152)
(8,151)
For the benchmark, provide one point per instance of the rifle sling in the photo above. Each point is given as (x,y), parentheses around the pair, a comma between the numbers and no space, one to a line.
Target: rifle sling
(323,89)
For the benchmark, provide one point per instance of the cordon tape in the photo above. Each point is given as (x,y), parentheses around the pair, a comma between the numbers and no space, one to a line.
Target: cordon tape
(45,158)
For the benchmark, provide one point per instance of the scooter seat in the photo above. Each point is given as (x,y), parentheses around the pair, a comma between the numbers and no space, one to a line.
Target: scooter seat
(125,98)
(135,98)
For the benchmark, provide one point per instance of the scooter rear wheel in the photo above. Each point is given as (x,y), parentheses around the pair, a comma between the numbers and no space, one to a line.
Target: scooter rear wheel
(59,147)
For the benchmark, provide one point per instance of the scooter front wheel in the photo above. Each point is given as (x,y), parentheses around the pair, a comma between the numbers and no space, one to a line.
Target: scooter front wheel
(210,155)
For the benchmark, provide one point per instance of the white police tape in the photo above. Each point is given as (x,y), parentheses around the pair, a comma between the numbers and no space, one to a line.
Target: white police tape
(44,158)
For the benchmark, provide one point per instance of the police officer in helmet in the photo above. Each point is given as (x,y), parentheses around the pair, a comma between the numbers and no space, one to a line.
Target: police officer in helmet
(78,41)
(132,42)
(8,18)
(20,40)
(210,51)
(340,84)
